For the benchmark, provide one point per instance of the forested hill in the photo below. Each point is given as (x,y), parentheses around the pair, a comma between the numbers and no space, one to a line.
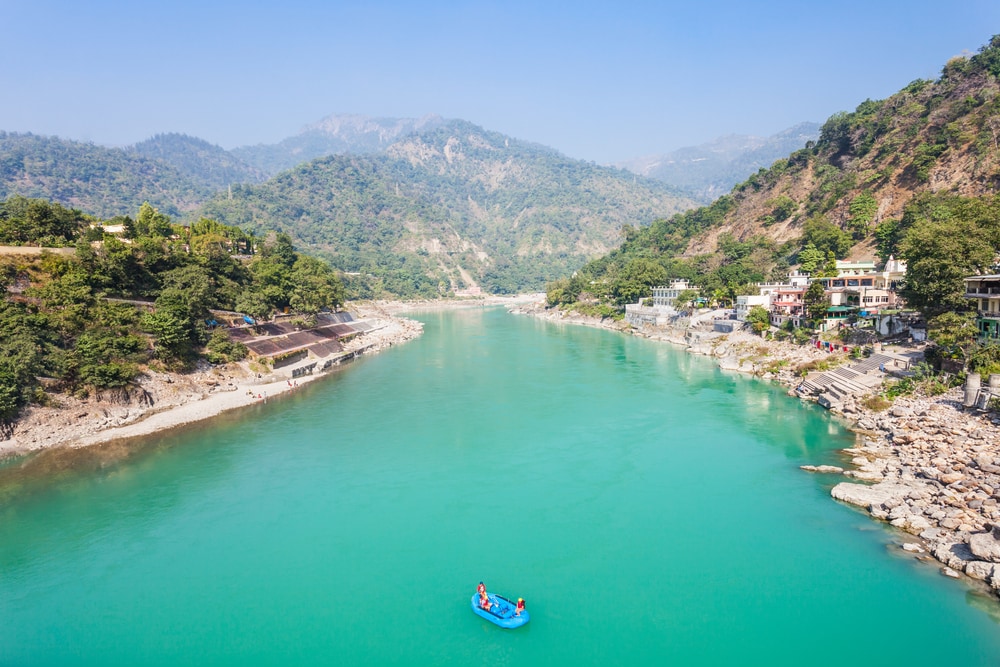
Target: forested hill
(173,172)
(452,208)
(101,181)
(210,166)
(907,175)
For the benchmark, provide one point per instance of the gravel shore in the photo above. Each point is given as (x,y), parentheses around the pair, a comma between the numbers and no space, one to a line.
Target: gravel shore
(161,401)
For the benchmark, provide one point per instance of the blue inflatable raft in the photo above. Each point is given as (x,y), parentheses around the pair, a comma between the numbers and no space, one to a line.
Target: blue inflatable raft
(501,611)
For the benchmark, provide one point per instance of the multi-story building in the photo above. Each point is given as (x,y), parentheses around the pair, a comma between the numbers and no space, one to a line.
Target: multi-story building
(666,296)
(859,285)
(787,304)
(985,291)
(663,308)
(783,300)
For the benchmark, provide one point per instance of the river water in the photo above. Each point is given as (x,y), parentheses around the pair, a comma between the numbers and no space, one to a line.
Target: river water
(648,507)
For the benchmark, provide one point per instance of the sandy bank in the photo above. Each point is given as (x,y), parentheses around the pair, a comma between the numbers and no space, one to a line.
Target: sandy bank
(162,401)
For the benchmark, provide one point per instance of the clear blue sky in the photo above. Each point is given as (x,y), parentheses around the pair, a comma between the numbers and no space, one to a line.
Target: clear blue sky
(596,80)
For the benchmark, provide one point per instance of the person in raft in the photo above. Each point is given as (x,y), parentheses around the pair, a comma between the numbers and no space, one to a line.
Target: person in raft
(520,607)
(484,599)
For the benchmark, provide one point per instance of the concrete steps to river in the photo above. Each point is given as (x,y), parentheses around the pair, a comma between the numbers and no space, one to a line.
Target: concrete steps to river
(833,386)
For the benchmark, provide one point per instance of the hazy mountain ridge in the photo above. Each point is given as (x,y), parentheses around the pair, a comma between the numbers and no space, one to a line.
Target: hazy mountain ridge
(710,170)
(334,135)
(452,206)
(212,166)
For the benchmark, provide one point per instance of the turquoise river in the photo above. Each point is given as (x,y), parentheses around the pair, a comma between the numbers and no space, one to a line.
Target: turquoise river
(648,507)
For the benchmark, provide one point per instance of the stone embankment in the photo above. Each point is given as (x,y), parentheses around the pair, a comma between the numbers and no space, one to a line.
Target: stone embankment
(936,474)
(738,351)
(926,465)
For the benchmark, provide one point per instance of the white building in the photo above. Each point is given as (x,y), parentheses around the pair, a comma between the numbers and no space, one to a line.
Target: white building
(666,296)
(859,284)
(745,302)
(662,310)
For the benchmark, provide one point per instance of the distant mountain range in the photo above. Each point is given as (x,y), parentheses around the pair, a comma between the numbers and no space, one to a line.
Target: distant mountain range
(454,207)
(334,135)
(711,170)
(424,206)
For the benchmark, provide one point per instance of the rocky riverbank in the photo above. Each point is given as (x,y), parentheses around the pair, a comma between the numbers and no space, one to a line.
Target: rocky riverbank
(925,465)
(936,474)
(161,401)
(738,351)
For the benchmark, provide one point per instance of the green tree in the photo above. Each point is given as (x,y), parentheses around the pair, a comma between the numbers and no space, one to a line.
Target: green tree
(983,358)
(953,333)
(810,258)
(685,298)
(862,213)
(255,304)
(66,300)
(315,286)
(172,330)
(939,254)
(759,319)
(151,222)
(558,292)
(221,350)
(637,279)
(815,301)
(20,361)
(39,222)
(826,236)
(782,207)
(888,234)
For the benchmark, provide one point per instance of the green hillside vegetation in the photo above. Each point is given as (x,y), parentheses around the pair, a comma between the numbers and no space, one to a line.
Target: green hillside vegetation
(100,181)
(72,321)
(450,208)
(211,166)
(915,176)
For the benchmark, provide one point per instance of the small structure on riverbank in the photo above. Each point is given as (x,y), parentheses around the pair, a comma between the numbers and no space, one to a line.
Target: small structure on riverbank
(978,396)
(286,342)
(985,292)
(661,310)
(832,387)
